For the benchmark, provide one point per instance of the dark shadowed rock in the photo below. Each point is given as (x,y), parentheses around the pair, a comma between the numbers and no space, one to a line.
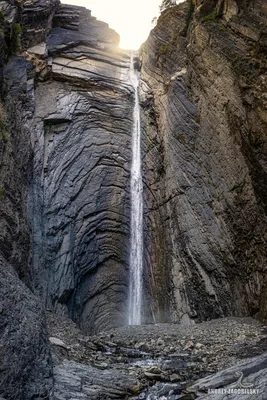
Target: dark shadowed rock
(25,370)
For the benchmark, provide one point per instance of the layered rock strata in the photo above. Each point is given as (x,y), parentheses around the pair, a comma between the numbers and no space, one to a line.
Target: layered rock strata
(25,371)
(65,148)
(82,145)
(204,112)
(65,152)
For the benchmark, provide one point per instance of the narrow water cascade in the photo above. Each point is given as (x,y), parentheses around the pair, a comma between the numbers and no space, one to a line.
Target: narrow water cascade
(136,251)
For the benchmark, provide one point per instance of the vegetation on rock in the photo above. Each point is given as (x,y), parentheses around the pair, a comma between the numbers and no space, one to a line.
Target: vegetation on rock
(166,4)
(15,39)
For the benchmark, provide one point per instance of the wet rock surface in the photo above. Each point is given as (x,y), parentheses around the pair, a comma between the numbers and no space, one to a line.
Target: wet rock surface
(151,361)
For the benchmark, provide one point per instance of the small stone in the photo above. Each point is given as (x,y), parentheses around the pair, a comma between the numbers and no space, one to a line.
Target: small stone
(101,365)
(198,345)
(154,369)
(160,342)
(111,344)
(141,346)
(150,375)
(58,342)
(39,49)
(189,345)
(175,377)
(135,389)
(91,346)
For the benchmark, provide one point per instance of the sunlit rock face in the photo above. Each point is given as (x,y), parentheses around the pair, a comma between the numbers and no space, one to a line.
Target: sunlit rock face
(205,161)
(82,136)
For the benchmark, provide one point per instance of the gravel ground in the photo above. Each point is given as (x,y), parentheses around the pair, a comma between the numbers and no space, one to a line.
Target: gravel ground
(159,355)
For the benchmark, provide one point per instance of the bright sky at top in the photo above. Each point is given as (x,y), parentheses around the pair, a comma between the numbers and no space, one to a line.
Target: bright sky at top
(131,19)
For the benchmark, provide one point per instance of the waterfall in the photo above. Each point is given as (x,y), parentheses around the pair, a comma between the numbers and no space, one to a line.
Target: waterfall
(136,252)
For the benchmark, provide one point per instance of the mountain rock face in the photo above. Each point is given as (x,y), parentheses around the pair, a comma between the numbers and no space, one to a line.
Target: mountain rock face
(65,121)
(66,117)
(80,190)
(204,77)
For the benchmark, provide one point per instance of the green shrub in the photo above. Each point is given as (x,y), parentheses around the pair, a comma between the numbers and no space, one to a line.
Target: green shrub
(15,40)
(190,12)
(163,49)
(4,135)
(2,18)
(210,18)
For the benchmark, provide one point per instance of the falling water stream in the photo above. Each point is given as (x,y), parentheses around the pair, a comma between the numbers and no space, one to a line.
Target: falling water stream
(136,251)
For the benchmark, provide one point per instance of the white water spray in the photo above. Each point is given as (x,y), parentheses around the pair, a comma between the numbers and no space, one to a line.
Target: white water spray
(136,254)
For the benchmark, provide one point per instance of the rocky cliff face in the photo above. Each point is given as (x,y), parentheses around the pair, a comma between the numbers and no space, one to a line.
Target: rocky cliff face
(80,190)
(204,75)
(26,370)
(65,151)
(66,120)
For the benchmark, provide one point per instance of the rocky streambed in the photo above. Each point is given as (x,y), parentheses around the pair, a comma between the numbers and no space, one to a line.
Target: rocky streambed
(162,361)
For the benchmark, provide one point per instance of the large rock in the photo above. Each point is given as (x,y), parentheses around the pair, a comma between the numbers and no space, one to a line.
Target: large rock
(247,379)
(86,382)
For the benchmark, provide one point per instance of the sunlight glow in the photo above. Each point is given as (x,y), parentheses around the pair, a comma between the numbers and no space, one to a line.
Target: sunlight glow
(131,19)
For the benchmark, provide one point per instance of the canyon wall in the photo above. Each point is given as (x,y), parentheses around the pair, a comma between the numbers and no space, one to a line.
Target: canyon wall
(80,189)
(66,122)
(204,77)
(66,117)
(26,370)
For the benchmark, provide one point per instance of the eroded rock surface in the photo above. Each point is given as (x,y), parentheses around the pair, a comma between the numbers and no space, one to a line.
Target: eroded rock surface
(204,76)
(63,97)
(65,152)
(82,137)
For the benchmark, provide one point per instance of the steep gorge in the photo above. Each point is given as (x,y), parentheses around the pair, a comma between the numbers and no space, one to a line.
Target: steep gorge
(66,129)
